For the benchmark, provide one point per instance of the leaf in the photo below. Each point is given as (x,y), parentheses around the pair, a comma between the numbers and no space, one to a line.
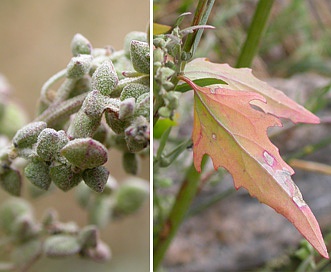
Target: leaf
(160,29)
(234,135)
(242,79)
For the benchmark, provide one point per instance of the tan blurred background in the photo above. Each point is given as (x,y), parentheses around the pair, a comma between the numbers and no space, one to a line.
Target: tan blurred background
(35,41)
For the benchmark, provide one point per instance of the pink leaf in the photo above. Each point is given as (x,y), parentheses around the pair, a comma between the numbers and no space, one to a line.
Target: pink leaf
(242,79)
(234,135)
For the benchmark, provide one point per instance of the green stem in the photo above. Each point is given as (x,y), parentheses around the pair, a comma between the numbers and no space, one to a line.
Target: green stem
(178,212)
(53,79)
(255,33)
(201,16)
(57,112)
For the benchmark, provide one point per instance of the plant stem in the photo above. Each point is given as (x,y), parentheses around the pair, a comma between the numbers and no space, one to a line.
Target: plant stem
(255,33)
(178,212)
(45,88)
(201,16)
(57,112)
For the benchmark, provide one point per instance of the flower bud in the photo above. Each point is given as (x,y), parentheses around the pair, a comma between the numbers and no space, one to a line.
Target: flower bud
(96,178)
(113,121)
(63,177)
(165,112)
(135,35)
(80,45)
(102,134)
(140,56)
(100,253)
(83,126)
(133,90)
(37,171)
(171,100)
(88,237)
(101,211)
(61,245)
(165,73)
(94,104)
(50,142)
(127,108)
(130,163)
(11,181)
(26,253)
(83,195)
(158,55)
(105,78)
(50,217)
(159,42)
(11,210)
(85,153)
(143,105)
(13,118)
(82,85)
(131,195)
(79,66)
(28,135)
(25,228)
(137,134)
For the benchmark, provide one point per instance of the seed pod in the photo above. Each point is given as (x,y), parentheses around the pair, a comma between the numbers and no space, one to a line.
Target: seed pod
(140,56)
(130,196)
(28,135)
(85,153)
(50,142)
(133,90)
(37,171)
(130,163)
(11,181)
(96,178)
(105,78)
(10,210)
(135,35)
(61,245)
(79,66)
(80,45)
(63,177)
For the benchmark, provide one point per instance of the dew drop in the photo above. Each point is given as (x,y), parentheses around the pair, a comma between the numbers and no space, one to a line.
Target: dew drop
(213,136)
(268,158)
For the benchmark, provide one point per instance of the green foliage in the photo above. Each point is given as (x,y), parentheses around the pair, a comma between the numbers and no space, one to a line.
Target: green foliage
(68,143)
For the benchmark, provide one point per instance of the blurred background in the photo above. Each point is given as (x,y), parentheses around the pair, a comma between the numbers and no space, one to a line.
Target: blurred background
(227,230)
(35,39)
